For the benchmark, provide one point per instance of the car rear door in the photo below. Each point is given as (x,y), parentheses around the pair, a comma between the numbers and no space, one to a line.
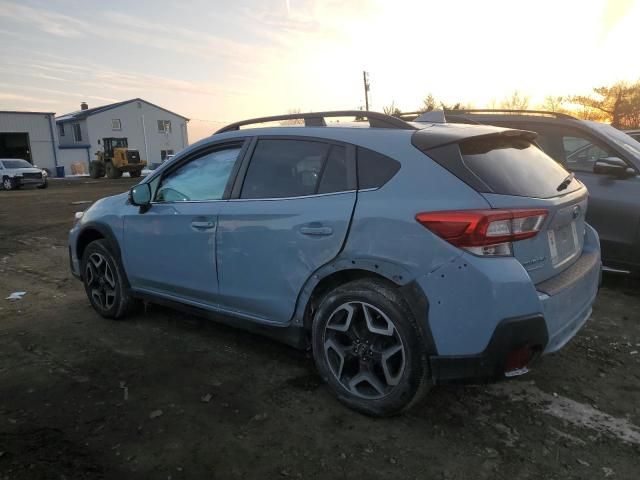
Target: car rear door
(170,248)
(294,199)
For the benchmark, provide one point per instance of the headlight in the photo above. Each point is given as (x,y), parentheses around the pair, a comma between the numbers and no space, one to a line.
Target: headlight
(44,174)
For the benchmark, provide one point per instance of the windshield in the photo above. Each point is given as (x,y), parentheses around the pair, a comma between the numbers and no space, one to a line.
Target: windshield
(621,139)
(16,164)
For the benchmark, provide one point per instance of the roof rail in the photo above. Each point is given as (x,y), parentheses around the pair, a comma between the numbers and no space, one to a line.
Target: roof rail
(507,110)
(317,119)
(461,111)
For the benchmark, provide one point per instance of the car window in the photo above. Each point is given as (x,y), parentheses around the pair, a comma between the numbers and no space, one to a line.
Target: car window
(581,153)
(335,177)
(374,169)
(514,166)
(203,178)
(286,168)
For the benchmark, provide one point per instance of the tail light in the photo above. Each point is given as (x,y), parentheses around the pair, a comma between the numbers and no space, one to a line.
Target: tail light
(484,232)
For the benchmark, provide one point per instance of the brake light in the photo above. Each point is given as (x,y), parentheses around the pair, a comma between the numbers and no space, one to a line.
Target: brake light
(484,232)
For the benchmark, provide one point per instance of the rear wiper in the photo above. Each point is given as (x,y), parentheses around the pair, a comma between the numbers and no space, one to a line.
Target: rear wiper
(565,183)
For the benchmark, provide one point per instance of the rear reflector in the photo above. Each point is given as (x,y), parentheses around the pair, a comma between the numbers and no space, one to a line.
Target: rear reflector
(484,232)
(517,362)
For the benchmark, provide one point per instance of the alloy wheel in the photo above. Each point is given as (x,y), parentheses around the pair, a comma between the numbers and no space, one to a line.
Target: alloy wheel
(364,350)
(101,281)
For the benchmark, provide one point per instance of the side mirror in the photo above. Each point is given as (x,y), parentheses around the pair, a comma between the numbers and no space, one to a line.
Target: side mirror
(140,195)
(613,166)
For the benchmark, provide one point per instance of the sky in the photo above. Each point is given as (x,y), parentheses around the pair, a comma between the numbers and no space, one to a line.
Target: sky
(218,61)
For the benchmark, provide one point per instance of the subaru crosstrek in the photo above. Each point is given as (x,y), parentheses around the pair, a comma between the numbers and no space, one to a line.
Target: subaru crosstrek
(405,255)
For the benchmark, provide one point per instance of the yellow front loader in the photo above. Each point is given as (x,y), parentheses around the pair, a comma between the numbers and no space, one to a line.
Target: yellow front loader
(115,159)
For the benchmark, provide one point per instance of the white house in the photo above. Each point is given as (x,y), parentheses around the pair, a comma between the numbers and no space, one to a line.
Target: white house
(30,136)
(152,130)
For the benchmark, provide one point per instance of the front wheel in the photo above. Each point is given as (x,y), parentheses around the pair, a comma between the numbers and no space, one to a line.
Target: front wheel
(8,183)
(105,282)
(45,184)
(369,349)
(112,171)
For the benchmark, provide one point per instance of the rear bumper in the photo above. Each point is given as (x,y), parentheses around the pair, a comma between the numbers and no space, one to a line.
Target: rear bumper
(473,339)
(511,334)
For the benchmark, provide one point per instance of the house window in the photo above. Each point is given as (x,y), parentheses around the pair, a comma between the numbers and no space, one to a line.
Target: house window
(115,124)
(164,126)
(61,129)
(77,133)
(165,153)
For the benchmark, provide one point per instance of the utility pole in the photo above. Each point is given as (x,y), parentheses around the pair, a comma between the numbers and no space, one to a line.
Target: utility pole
(365,79)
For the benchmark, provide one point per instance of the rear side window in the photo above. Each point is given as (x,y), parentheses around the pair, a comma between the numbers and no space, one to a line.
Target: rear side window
(514,166)
(335,177)
(374,169)
(284,168)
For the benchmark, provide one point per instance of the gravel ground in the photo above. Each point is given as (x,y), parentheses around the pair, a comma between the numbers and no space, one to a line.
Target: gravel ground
(169,396)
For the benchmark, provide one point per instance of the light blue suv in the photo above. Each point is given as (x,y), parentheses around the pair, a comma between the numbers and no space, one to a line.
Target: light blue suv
(405,255)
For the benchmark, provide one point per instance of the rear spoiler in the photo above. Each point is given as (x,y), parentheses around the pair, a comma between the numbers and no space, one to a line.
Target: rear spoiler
(435,136)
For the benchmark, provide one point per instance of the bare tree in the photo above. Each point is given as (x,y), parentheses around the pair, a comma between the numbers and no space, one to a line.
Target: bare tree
(392,109)
(515,101)
(554,104)
(293,121)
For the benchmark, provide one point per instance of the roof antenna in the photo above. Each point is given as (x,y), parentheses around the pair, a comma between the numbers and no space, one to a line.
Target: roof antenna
(434,116)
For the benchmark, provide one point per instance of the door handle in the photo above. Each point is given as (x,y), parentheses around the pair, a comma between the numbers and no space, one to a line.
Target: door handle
(206,225)
(316,231)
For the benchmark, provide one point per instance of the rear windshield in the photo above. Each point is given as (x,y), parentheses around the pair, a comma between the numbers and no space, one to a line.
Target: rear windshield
(514,166)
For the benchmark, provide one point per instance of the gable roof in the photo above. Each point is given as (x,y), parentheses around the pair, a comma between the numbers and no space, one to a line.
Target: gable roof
(82,114)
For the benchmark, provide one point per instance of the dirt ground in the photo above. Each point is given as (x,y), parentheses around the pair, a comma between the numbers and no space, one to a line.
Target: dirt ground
(168,396)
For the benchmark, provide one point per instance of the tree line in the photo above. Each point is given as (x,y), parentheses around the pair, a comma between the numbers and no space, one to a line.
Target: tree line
(618,104)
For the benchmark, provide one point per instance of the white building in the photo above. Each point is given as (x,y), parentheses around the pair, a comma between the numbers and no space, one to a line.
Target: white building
(30,136)
(152,130)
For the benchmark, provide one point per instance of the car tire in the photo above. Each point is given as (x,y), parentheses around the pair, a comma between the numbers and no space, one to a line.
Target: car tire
(369,349)
(135,173)
(112,171)
(8,183)
(43,185)
(96,169)
(105,282)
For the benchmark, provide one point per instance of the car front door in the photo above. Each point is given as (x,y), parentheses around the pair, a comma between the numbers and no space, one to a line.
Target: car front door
(170,248)
(614,202)
(293,206)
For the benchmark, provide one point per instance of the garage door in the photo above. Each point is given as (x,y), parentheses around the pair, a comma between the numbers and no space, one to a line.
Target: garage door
(15,145)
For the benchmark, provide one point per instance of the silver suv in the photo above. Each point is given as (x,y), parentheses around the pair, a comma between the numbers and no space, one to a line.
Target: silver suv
(16,173)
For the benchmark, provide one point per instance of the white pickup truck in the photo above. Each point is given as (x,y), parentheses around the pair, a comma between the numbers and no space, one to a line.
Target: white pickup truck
(16,173)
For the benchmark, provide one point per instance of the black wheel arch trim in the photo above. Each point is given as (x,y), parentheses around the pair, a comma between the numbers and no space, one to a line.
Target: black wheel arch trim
(409,288)
(106,232)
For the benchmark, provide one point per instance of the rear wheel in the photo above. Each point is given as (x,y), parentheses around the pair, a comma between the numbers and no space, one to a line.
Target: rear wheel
(112,171)
(8,183)
(105,282)
(96,169)
(368,348)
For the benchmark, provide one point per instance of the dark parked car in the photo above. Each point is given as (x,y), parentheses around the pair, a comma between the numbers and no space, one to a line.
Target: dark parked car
(604,158)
